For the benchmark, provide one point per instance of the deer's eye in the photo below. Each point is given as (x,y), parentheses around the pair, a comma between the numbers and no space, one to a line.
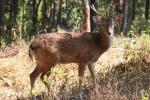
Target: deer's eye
(103,24)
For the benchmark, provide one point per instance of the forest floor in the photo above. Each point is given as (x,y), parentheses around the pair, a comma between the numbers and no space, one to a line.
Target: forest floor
(118,78)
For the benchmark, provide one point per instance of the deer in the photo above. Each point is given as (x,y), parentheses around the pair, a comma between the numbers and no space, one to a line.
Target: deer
(82,48)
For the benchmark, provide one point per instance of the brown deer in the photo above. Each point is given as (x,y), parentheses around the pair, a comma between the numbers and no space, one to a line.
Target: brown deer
(81,48)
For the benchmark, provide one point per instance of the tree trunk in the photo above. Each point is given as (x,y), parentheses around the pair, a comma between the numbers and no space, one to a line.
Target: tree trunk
(44,9)
(123,12)
(35,6)
(59,19)
(22,17)
(129,16)
(120,8)
(129,19)
(15,9)
(1,18)
(133,9)
(92,13)
(124,20)
(45,20)
(86,18)
(13,4)
(53,14)
(147,4)
(34,17)
(51,9)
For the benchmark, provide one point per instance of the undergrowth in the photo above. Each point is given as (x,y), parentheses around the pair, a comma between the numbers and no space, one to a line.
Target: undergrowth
(131,78)
(128,80)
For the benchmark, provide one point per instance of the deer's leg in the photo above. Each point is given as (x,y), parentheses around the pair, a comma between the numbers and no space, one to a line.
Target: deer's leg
(47,71)
(33,77)
(44,79)
(81,71)
(92,71)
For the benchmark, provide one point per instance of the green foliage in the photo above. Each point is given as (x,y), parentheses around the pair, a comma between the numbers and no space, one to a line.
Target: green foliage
(76,17)
(33,91)
(144,95)
(58,71)
(45,80)
(140,21)
(40,11)
(3,43)
(23,27)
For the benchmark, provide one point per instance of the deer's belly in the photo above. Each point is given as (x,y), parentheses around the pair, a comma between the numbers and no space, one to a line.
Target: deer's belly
(80,58)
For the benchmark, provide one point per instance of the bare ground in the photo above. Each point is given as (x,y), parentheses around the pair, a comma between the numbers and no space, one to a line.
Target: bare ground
(15,67)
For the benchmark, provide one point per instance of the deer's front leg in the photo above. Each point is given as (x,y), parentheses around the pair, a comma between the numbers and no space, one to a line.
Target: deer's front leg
(81,71)
(93,74)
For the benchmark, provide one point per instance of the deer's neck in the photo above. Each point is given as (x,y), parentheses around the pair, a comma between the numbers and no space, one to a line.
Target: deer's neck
(105,41)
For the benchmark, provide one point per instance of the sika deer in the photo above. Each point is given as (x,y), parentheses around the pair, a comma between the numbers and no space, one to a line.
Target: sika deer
(81,48)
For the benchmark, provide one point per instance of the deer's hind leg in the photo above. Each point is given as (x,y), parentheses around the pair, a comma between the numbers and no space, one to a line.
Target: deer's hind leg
(47,71)
(33,77)
(44,78)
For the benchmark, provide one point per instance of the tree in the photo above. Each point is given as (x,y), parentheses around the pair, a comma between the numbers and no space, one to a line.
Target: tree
(1,17)
(59,16)
(147,4)
(121,9)
(86,13)
(25,18)
(127,9)
(53,13)
(12,16)
(92,13)
(35,6)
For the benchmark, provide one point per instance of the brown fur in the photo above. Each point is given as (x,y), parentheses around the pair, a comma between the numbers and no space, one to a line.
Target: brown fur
(81,48)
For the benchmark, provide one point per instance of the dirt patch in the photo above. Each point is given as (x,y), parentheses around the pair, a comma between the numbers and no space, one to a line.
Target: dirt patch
(9,51)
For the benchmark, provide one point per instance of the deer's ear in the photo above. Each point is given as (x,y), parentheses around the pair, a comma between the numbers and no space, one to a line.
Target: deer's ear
(96,20)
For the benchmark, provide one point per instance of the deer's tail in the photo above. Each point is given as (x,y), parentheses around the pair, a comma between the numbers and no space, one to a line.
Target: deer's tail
(30,52)
(32,49)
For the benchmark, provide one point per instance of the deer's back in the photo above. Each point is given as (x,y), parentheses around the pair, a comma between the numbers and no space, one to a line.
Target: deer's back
(71,48)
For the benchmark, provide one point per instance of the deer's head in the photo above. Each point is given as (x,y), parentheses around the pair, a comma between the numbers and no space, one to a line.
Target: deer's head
(107,25)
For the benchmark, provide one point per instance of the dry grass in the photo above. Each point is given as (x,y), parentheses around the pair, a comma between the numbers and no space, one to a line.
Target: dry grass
(119,77)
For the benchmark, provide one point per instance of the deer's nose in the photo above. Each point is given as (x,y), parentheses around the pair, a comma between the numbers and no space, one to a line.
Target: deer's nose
(109,33)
